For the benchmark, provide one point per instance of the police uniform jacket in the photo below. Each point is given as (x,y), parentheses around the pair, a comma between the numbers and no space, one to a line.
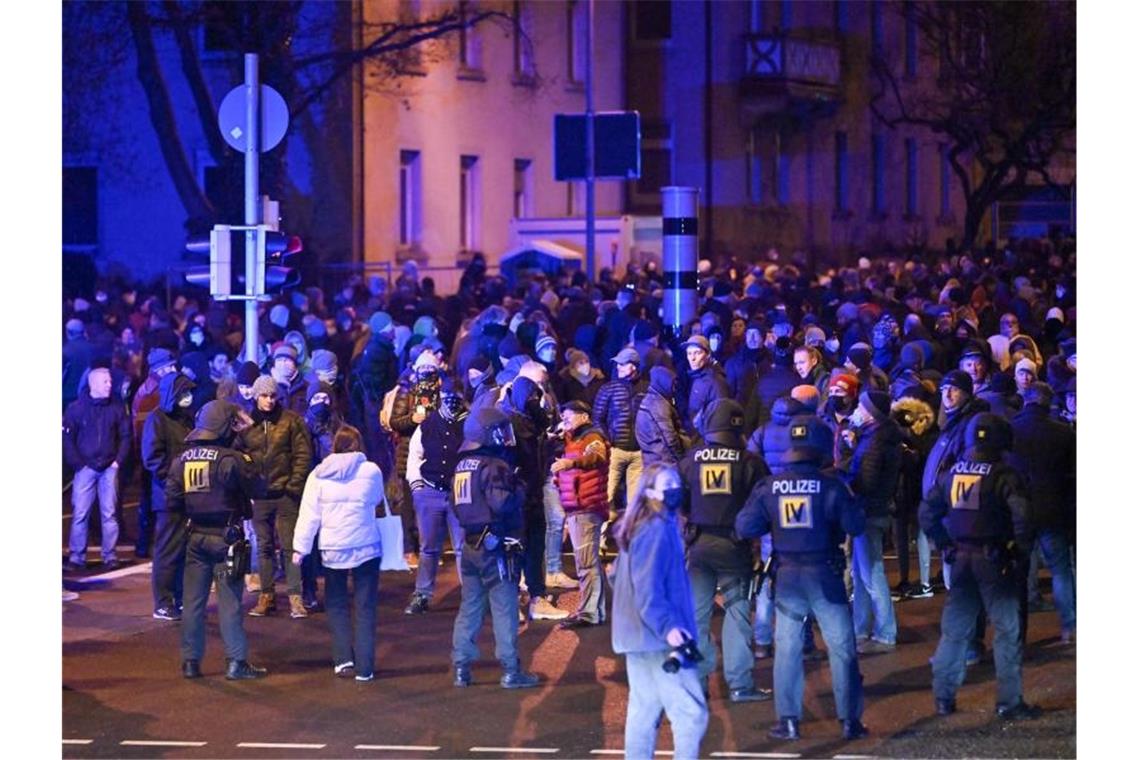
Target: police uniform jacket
(212,484)
(486,492)
(979,501)
(718,479)
(809,513)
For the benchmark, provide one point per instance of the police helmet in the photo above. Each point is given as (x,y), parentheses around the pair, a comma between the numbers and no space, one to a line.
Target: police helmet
(487,426)
(722,422)
(809,440)
(213,422)
(990,431)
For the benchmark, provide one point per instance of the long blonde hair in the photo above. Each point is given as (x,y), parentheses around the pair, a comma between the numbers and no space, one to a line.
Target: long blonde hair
(644,507)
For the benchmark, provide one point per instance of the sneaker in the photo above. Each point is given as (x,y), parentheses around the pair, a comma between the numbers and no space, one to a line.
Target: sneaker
(311,603)
(900,591)
(945,706)
(70,596)
(920,591)
(1020,711)
(344,670)
(240,670)
(111,564)
(167,613)
(191,669)
(874,646)
(518,679)
(560,580)
(297,607)
(542,609)
(412,559)
(77,567)
(974,655)
(417,605)
(853,729)
(753,694)
(1068,636)
(574,621)
(462,677)
(266,604)
(365,677)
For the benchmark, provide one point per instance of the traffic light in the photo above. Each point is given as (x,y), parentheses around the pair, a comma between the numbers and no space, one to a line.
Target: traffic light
(218,276)
(277,252)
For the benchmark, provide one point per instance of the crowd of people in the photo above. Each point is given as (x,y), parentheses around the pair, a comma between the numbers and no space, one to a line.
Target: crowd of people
(900,383)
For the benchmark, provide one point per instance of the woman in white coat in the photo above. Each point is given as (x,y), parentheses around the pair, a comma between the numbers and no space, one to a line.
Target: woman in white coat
(340,501)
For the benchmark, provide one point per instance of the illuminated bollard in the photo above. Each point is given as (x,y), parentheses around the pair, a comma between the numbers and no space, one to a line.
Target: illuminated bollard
(679,254)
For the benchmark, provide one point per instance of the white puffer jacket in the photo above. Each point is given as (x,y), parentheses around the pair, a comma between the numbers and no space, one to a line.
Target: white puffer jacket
(340,501)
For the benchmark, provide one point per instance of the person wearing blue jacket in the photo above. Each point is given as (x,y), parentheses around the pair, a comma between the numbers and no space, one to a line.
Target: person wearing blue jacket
(340,501)
(653,614)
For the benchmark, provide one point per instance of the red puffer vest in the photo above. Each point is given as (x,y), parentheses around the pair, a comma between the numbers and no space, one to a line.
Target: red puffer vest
(585,489)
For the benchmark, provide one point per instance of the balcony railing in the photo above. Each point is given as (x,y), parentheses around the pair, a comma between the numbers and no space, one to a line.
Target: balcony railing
(790,68)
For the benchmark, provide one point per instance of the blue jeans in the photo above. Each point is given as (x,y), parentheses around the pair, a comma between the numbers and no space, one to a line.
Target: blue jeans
(87,484)
(976,582)
(585,537)
(870,580)
(652,690)
(434,519)
(353,634)
(482,587)
(1054,545)
(817,590)
(555,519)
(206,562)
(718,561)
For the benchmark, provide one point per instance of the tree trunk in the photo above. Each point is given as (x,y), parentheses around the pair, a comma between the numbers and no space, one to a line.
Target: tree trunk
(197,205)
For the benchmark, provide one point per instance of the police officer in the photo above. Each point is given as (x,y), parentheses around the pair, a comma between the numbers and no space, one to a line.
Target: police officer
(718,474)
(976,514)
(809,513)
(487,498)
(213,484)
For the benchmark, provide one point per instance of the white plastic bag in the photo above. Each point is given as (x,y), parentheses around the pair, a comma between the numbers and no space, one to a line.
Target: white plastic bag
(391,540)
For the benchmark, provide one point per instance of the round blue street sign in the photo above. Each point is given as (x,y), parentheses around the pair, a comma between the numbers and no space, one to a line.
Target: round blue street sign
(274,118)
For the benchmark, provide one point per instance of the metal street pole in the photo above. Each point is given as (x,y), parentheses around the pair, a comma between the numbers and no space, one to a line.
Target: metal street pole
(590,140)
(252,200)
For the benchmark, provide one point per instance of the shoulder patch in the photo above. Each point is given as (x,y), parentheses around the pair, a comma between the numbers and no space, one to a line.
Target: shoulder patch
(246,457)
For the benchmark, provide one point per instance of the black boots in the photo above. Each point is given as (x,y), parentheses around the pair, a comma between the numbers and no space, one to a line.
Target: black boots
(191,669)
(240,670)
(787,729)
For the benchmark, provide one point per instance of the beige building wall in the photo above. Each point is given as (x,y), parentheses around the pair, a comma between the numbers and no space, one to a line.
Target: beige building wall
(450,111)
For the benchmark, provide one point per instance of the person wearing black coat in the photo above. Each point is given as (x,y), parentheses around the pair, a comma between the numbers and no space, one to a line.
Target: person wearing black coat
(916,420)
(614,412)
(775,381)
(706,379)
(163,440)
(658,425)
(873,476)
(1045,454)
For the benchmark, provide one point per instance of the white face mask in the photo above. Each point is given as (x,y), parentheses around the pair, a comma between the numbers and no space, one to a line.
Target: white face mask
(327,376)
(187,399)
(858,417)
(714,343)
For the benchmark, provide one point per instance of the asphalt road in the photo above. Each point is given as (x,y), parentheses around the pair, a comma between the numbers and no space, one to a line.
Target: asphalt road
(123,695)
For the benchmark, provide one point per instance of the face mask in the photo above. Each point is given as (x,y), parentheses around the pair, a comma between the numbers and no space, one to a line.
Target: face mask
(857,419)
(320,412)
(451,405)
(714,343)
(327,376)
(185,400)
(197,338)
(673,498)
(547,357)
(838,405)
(832,345)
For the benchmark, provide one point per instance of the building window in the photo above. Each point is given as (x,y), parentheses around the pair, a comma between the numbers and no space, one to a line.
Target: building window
(523,47)
(840,16)
(411,194)
(787,16)
(756,16)
(755,170)
(652,20)
(876,28)
(576,41)
(524,181)
(911,39)
(911,177)
(841,171)
(944,180)
(783,177)
(470,43)
(80,207)
(468,203)
(656,162)
(878,174)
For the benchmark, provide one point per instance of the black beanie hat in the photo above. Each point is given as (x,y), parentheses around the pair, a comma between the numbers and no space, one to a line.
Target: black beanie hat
(247,374)
(859,356)
(959,380)
(878,403)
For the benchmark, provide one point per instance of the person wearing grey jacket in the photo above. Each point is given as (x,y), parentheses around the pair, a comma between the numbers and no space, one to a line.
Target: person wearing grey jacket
(658,425)
(653,615)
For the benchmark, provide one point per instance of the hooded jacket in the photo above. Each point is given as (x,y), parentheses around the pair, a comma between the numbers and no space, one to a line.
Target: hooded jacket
(96,432)
(340,501)
(657,425)
(165,430)
(771,440)
(279,444)
(916,421)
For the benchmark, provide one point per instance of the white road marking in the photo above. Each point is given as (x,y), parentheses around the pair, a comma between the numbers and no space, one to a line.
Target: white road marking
(158,743)
(662,752)
(522,750)
(276,745)
(398,747)
(788,755)
(122,572)
(852,757)
(78,741)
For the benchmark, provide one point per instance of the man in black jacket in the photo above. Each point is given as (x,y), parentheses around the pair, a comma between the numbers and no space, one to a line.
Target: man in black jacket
(615,408)
(96,442)
(873,476)
(706,379)
(1045,454)
(163,439)
(658,425)
(279,444)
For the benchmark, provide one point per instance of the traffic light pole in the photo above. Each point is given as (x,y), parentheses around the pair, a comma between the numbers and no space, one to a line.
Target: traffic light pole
(590,212)
(252,201)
